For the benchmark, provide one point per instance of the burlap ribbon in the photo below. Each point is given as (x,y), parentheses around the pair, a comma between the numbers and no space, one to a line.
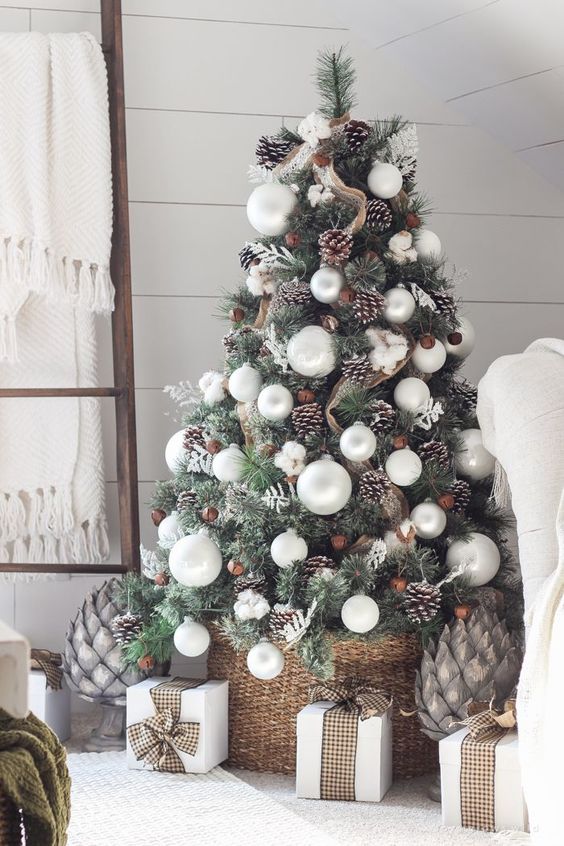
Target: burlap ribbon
(486,727)
(156,739)
(356,699)
(50,664)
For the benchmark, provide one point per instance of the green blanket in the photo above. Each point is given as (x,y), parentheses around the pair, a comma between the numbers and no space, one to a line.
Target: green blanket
(34,776)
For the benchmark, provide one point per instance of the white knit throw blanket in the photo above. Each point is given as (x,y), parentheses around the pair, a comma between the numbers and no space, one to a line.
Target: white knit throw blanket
(55,242)
(521,414)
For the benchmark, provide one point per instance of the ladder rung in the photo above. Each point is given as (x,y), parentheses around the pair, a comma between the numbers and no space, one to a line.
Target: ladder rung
(78,569)
(61,392)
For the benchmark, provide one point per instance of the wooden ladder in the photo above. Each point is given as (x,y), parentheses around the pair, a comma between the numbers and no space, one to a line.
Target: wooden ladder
(122,328)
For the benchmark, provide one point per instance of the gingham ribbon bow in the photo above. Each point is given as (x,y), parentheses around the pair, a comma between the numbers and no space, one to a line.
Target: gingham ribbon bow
(358,696)
(155,738)
(488,722)
(50,664)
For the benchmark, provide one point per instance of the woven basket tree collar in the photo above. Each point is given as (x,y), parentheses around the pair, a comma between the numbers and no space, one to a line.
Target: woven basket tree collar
(50,664)
(358,696)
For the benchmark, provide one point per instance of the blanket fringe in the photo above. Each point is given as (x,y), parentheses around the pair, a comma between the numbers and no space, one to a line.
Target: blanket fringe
(89,544)
(501,492)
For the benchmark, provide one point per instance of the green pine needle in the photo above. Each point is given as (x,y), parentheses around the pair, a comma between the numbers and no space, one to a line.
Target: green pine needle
(335,78)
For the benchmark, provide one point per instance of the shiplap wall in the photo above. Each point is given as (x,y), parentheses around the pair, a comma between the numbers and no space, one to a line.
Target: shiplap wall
(203,81)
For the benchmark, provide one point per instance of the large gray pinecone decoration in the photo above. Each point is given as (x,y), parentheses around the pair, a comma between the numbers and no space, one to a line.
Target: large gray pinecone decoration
(473,661)
(92,659)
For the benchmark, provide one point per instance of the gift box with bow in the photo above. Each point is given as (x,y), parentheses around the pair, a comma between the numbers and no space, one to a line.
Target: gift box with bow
(345,743)
(480,772)
(177,725)
(48,694)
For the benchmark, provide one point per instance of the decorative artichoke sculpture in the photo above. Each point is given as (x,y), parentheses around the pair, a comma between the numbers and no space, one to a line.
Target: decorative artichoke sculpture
(92,660)
(473,660)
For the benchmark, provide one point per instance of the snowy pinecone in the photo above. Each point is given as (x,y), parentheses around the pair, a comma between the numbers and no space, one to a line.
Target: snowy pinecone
(308,419)
(422,601)
(378,215)
(435,451)
(409,174)
(463,394)
(292,293)
(383,417)
(248,253)
(374,486)
(279,617)
(250,581)
(461,491)
(445,302)
(193,437)
(318,564)
(356,133)
(126,627)
(185,500)
(335,246)
(358,369)
(270,150)
(368,306)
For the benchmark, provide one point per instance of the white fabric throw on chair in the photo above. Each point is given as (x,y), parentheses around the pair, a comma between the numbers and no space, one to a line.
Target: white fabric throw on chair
(55,243)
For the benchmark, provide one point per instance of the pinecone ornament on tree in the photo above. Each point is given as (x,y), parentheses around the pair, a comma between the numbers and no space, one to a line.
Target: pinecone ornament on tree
(250,581)
(435,451)
(185,500)
(464,394)
(422,601)
(335,246)
(358,369)
(193,437)
(461,492)
(383,417)
(271,150)
(368,306)
(445,303)
(126,627)
(374,486)
(318,565)
(378,215)
(308,419)
(292,293)
(248,253)
(280,616)
(356,133)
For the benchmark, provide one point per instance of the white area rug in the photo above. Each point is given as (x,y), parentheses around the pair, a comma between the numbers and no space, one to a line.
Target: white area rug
(118,807)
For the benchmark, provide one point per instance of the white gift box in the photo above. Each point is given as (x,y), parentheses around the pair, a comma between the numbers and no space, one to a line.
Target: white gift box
(373,769)
(206,705)
(509,803)
(51,706)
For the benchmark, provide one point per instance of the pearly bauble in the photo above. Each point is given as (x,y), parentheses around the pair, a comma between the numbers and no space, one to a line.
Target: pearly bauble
(360,613)
(245,383)
(358,442)
(429,360)
(175,453)
(429,520)
(467,335)
(268,208)
(384,180)
(326,284)
(479,556)
(169,529)
(427,244)
(474,461)
(324,487)
(195,561)
(411,393)
(191,638)
(400,305)
(228,464)
(287,548)
(265,661)
(403,467)
(275,402)
(311,352)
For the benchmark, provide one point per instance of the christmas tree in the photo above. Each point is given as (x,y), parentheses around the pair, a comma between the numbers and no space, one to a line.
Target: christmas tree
(330,477)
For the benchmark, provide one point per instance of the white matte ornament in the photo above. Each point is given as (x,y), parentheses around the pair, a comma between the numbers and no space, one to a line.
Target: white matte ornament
(385,180)
(227,465)
(427,244)
(400,305)
(175,452)
(466,346)
(403,467)
(358,443)
(265,661)
(275,402)
(431,360)
(429,520)
(324,487)
(474,461)
(287,548)
(245,383)
(326,284)
(268,208)
(480,556)
(169,529)
(360,613)
(411,393)
(311,352)
(195,561)
(191,638)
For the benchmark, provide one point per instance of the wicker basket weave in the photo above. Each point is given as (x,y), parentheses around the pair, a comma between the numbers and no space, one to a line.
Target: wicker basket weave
(262,715)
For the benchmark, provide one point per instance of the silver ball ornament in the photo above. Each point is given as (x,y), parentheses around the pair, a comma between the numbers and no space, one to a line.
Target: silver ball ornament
(268,208)
(403,467)
(411,393)
(228,463)
(191,638)
(480,557)
(324,487)
(427,244)
(429,520)
(358,442)
(474,461)
(265,661)
(175,452)
(465,347)
(311,352)
(245,383)
(287,548)
(275,402)
(326,284)
(429,360)
(360,613)
(385,180)
(195,561)
(400,305)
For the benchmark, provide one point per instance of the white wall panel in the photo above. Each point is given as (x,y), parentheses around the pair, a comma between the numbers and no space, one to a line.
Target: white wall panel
(548,160)
(74,21)
(294,12)
(14,20)
(7,602)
